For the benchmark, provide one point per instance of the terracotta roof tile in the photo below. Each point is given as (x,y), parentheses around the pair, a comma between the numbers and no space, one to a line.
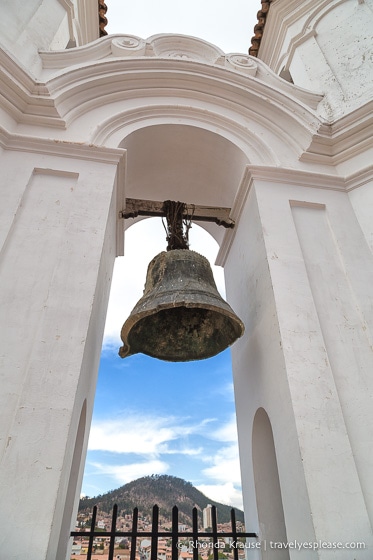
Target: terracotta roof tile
(102,9)
(259,27)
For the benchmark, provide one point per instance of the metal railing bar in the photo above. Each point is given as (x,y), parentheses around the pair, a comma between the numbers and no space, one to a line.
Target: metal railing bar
(175,533)
(155,534)
(195,531)
(161,534)
(154,549)
(134,533)
(234,531)
(112,532)
(215,549)
(92,532)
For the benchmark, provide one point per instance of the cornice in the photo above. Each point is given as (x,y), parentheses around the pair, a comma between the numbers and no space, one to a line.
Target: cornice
(345,138)
(166,65)
(180,82)
(180,67)
(277,175)
(110,76)
(359,179)
(77,151)
(95,50)
(26,99)
(177,49)
(52,147)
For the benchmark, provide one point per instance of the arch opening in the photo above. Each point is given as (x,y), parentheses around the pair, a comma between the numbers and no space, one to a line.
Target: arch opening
(183,162)
(267,488)
(75,471)
(155,417)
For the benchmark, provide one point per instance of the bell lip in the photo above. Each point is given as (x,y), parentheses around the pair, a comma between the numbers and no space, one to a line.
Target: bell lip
(133,320)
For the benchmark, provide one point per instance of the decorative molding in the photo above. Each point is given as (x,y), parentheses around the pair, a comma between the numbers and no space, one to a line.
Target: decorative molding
(274,175)
(56,172)
(68,5)
(95,50)
(74,150)
(121,201)
(242,62)
(306,204)
(128,45)
(347,137)
(27,100)
(284,15)
(88,17)
(83,81)
(167,45)
(60,148)
(180,48)
(236,211)
(359,179)
(297,41)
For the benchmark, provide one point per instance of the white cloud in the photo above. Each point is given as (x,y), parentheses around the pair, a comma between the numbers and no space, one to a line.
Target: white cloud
(224,470)
(225,466)
(226,432)
(126,473)
(143,435)
(225,493)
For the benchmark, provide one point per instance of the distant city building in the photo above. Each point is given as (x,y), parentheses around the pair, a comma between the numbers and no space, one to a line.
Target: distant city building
(207,516)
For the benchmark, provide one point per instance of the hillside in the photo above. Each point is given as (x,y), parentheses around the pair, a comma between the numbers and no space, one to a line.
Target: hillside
(163,490)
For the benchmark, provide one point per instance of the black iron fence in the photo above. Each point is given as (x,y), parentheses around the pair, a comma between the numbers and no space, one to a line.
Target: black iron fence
(197,538)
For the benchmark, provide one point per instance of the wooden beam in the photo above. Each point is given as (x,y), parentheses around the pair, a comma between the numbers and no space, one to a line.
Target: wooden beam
(137,207)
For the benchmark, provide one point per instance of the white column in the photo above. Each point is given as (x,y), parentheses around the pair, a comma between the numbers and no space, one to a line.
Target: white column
(59,245)
(306,298)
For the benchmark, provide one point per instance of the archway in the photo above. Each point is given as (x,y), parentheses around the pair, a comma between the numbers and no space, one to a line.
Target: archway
(189,405)
(267,489)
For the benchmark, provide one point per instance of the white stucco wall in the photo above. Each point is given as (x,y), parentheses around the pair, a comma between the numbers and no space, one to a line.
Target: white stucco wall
(336,34)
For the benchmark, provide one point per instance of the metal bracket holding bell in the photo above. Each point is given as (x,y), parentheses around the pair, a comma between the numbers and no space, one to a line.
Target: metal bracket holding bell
(181,316)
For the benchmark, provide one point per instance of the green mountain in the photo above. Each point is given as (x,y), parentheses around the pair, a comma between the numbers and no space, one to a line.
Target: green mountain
(163,490)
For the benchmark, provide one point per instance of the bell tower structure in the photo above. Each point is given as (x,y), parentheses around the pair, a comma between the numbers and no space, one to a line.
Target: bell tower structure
(284,140)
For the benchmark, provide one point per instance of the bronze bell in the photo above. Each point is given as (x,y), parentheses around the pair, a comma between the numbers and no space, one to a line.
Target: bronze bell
(181,316)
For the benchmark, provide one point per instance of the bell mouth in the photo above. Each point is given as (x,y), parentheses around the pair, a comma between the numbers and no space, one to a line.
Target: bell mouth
(182,334)
(181,316)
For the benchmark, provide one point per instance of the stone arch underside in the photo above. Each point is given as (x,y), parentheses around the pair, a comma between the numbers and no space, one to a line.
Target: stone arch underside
(186,163)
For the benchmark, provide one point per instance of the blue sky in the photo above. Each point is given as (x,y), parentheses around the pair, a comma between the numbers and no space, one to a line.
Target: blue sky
(150,416)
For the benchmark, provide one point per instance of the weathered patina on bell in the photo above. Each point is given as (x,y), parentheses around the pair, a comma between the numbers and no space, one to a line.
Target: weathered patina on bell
(181,316)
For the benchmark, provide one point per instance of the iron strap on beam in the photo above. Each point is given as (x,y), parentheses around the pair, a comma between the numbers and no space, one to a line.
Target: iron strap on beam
(218,215)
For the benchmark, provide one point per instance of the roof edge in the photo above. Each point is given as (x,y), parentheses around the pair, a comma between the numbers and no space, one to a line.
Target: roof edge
(259,27)
(102,19)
